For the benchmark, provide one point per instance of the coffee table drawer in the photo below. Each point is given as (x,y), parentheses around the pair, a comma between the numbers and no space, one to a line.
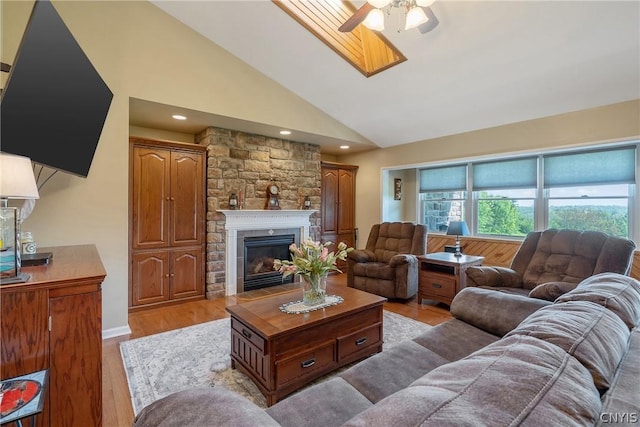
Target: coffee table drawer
(356,341)
(248,334)
(305,363)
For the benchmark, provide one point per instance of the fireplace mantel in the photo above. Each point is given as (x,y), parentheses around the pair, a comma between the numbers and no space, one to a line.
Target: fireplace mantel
(258,219)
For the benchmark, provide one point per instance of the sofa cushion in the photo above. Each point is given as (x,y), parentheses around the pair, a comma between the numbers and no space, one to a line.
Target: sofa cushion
(491,311)
(206,406)
(518,380)
(551,290)
(385,373)
(620,294)
(589,332)
(624,395)
(454,339)
(329,403)
(377,270)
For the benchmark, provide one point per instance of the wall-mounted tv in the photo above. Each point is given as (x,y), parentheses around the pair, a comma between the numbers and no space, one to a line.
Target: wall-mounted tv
(55,103)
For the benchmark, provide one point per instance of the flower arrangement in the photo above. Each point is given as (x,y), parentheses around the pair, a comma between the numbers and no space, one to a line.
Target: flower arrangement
(312,261)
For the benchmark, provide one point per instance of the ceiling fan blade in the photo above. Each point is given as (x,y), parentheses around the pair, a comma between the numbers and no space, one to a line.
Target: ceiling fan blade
(356,18)
(431,23)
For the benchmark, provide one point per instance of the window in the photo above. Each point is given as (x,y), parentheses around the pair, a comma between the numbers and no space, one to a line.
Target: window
(506,195)
(603,207)
(438,208)
(442,196)
(580,190)
(506,212)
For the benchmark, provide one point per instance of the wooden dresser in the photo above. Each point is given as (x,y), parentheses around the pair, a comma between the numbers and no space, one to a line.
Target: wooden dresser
(54,321)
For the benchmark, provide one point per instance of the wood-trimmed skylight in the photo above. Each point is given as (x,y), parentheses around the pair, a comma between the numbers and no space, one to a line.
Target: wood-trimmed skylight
(369,52)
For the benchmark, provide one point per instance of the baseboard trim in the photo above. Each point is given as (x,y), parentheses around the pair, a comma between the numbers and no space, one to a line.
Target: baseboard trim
(116,332)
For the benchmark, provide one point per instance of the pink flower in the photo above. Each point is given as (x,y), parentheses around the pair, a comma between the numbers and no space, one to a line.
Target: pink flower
(323,255)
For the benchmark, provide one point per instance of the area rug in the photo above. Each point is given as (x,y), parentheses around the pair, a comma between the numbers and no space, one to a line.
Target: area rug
(196,356)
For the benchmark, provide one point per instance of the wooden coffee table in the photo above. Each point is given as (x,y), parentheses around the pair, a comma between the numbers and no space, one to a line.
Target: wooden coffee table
(282,352)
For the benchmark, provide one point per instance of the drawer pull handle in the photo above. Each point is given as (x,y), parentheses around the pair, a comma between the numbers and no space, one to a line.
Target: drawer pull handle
(435,285)
(361,341)
(246,333)
(308,363)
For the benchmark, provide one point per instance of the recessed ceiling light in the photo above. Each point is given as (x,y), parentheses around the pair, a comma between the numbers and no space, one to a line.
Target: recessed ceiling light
(285,132)
(344,147)
(179,117)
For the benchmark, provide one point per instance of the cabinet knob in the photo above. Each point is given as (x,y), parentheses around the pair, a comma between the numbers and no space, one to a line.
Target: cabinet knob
(166,275)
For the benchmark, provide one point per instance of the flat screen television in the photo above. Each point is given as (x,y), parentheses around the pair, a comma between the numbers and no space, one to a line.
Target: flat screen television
(55,103)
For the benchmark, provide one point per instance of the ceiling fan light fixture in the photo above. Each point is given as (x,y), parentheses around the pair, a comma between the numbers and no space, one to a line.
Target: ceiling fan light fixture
(374,20)
(415,17)
(425,3)
(378,3)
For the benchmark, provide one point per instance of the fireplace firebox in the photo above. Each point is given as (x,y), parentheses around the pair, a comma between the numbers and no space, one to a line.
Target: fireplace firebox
(259,255)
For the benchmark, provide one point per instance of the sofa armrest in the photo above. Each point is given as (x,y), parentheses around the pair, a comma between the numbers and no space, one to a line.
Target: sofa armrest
(361,255)
(400,259)
(493,276)
(204,406)
(493,311)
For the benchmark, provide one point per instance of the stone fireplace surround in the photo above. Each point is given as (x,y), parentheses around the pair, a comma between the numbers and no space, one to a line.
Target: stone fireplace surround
(250,223)
(245,164)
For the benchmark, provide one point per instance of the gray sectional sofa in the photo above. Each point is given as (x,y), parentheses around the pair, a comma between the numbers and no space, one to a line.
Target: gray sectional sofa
(502,360)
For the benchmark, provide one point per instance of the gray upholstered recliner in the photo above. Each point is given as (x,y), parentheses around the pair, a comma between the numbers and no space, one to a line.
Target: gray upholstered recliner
(552,262)
(388,265)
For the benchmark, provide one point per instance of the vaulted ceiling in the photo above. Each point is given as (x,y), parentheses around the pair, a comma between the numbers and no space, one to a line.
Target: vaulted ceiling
(486,64)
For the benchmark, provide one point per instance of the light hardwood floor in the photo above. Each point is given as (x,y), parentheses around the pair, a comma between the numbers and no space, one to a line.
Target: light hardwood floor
(116,401)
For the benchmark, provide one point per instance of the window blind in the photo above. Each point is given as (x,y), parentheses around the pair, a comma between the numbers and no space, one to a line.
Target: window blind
(616,166)
(515,173)
(448,178)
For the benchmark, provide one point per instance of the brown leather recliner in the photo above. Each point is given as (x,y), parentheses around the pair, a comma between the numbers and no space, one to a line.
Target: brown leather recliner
(388,265)
(552,262)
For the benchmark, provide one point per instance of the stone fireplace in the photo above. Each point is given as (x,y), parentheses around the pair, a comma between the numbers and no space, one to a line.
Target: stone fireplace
(262,230)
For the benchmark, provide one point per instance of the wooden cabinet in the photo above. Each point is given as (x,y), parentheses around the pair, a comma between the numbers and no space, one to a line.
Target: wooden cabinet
(338,204)
(442,275)
(54,321)
(167,221)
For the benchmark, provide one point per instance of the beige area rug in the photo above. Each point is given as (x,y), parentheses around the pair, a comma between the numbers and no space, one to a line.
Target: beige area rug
(196,356)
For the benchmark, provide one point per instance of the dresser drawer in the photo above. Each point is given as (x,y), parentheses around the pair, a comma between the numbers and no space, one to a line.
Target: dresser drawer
(436,284)
(247,334)
(305,363)
(356,341)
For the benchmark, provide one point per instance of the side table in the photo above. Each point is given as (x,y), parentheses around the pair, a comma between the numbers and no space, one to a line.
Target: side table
(23,397)
(442,275)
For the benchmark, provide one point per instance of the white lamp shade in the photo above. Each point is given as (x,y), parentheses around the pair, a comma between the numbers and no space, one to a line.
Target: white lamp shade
(379,3)
(425,3)
(374,20)
(415,17)
(16,178)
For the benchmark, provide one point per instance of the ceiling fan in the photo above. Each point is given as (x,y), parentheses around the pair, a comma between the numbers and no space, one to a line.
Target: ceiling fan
(418,14)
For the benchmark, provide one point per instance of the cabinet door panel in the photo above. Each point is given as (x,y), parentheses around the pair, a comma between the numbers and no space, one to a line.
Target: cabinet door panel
(76,360)
(329,200)
(23,321)
(187,198)
(150,198)
(187,278)
(150,277)
(346,206)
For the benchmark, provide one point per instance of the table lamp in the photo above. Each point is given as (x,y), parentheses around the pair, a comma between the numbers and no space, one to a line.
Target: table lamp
(16,182)
(457,228)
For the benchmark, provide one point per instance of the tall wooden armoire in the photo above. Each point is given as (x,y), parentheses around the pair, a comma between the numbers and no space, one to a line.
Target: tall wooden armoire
(167,222)
(338,204)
